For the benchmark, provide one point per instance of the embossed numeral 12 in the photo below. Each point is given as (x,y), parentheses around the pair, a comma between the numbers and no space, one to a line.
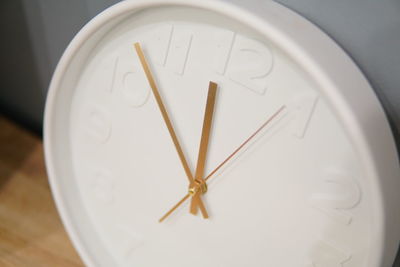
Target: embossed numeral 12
(246,61)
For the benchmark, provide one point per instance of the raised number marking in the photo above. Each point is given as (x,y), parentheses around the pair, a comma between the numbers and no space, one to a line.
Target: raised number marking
(250,64)
(224,43)
(105,77)
(342,193)
(98,125)
(102,186)
(135,90)
(112,69)
(133,86)
(129,241)
(327,255)
(158,43)
(179,49)
(302,108)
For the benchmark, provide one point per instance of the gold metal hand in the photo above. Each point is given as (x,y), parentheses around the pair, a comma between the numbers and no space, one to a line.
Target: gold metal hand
(165,116)
(225,161)
(199,185)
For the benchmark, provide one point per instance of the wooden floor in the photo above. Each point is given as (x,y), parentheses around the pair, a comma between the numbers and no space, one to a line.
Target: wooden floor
(31,233)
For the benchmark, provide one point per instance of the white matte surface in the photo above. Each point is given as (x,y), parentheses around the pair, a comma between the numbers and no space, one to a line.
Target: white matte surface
(309,186)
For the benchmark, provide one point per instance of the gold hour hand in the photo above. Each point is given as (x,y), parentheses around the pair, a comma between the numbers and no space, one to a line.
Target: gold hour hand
(211,175)
(199,185)
(167,120)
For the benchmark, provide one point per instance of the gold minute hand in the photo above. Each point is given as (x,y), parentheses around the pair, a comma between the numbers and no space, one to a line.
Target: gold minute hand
(211,175)
(199,185)
(165,116)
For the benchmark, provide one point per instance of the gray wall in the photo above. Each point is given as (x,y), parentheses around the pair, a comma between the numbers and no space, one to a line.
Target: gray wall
(34,35)
(369,30)
(35,32)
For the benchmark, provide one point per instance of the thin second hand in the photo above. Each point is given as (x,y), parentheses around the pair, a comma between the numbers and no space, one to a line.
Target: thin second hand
(244,143)
(226,160)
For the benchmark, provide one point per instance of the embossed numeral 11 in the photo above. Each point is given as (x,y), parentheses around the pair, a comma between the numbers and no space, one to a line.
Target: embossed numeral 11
(175,43)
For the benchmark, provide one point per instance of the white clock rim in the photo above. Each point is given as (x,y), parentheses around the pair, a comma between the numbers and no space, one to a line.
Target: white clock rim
(339,79)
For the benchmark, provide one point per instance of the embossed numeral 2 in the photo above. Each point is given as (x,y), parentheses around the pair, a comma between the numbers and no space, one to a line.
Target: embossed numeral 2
(336,204)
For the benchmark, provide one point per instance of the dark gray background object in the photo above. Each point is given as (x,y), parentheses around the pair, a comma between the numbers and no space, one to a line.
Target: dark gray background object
(36,32)
(369,31)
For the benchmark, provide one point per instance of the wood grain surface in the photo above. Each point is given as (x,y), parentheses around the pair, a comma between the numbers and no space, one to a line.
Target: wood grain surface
(31,233)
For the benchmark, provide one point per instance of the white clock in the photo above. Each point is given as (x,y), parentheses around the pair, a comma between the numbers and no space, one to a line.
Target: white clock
(211,133)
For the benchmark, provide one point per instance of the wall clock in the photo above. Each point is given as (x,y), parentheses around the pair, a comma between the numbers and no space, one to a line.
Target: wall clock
(211,133)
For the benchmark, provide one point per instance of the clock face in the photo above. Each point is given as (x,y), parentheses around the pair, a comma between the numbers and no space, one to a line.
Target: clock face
(295,194)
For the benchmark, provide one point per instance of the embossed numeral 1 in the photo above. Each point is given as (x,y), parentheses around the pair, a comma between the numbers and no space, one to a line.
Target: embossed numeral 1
(302,108)
(326,255)
(224,44)
(345,194)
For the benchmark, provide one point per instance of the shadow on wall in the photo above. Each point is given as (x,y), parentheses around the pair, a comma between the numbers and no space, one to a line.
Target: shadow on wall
(21,97)
(11,158)
(397,262)
(35,34)
(369,31)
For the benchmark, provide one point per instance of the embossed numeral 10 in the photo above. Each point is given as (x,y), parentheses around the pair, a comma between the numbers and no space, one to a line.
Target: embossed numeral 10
(120,73)
(246,61)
